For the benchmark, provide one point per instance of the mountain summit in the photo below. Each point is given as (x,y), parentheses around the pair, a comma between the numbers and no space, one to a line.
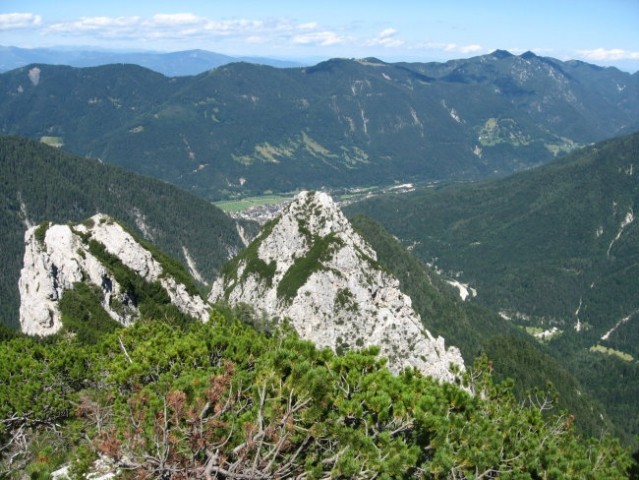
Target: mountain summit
(311,267)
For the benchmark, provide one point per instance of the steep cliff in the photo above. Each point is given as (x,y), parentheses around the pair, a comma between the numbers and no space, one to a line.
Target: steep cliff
(58,256)
(311,267)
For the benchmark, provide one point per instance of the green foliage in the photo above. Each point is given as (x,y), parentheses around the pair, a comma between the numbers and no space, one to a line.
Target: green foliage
(150,297)
(344,301)
(83,314)
(534,368)
(7,333)
(135,287)
(304,266)
(225,397)
(38,381)
(41,232)
(253,264)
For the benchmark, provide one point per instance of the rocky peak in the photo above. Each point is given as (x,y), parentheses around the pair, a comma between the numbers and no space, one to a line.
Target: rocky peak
(311,267)
(58,256)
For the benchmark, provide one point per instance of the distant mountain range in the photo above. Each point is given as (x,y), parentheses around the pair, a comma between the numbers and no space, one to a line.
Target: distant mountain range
(171,64)
(244,129)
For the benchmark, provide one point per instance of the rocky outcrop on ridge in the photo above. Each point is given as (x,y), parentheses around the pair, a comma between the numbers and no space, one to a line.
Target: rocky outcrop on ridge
(311,267)
(58,256)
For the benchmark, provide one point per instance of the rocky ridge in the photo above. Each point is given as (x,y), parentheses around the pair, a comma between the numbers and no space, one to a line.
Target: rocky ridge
(311,267)
(58,256)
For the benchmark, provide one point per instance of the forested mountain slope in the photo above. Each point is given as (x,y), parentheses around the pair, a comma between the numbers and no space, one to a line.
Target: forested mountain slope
(552,249)
(39,183)
(245,128)
(538,242)
(477,331)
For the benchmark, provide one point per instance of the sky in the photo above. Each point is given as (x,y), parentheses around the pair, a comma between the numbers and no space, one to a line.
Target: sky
(603,32)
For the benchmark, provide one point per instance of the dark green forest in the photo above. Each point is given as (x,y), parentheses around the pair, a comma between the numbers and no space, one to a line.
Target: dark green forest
(477,331)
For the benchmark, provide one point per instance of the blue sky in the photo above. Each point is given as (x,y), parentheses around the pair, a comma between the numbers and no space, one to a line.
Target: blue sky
(604,32)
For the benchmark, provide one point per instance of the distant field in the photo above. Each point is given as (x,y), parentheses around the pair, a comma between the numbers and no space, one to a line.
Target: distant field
(249,202)
(52,141)
(342,195)
(610,351)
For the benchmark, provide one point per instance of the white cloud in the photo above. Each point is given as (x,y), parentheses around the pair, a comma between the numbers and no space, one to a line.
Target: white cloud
(308,26)
(602,54)
(469,48)
(176,19)
(19,20)
(451,47)
(387,33)
(386,38)
(188,25)
(100,26)
(324,39)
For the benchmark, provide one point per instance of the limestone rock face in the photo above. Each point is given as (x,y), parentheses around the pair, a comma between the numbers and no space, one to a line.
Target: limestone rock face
(58,256)
(310,266)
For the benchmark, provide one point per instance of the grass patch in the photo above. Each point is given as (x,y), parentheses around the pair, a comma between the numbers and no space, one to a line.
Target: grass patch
(611,351)
(541,334)
(56,142)
(314,148)
(271,153)
(250,202)
(505,130)
(564,145)
(252,262)
(304,267)
(41,232)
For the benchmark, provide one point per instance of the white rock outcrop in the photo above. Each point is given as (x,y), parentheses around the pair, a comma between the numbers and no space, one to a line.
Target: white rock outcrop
(60,257)
(315,270)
